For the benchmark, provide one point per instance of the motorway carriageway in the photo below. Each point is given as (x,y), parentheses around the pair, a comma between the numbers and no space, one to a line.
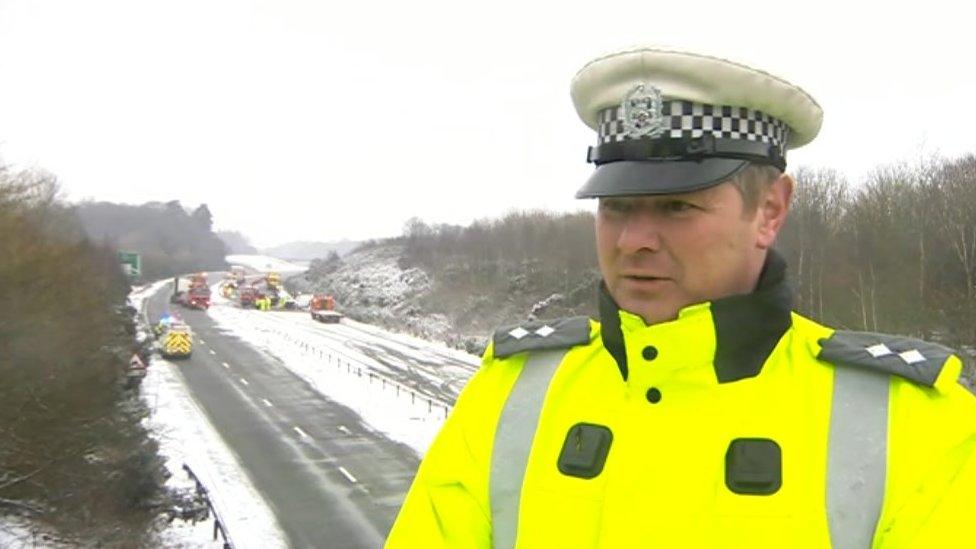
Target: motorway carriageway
(330,480)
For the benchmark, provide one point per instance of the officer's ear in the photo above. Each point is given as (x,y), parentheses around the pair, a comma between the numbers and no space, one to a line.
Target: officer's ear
(774,204)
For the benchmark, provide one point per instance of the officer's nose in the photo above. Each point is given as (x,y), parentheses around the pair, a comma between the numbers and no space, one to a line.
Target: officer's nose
(641,231)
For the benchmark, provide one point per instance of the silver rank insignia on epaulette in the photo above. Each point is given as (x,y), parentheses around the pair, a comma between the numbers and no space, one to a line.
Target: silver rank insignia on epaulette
(541,335)
(910,358)
(642,112)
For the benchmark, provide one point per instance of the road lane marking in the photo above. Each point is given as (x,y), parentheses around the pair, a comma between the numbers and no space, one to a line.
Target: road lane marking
(212,352)
(267,403)
(301,433)
(244,381)
(351,478)
(226,365)
(344,429)
(203,342)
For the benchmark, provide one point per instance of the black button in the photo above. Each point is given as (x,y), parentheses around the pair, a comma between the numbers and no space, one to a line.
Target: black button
(649,352)
(653,395)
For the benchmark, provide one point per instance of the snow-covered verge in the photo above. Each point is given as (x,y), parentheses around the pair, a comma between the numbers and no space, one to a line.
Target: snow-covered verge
(340,374)
(264,263)
(17,533)
(186,436)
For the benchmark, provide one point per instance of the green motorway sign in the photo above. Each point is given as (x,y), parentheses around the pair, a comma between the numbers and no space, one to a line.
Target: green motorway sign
(131,264)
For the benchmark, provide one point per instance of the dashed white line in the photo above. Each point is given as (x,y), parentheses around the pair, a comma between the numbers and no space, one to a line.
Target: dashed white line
(203,342)
(267,403)
(344,429)
(351,478)
(244,381)
(301,433)
(213,352)
(226,365)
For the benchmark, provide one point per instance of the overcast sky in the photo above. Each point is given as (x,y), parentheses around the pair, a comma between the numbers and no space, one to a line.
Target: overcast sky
(312,120)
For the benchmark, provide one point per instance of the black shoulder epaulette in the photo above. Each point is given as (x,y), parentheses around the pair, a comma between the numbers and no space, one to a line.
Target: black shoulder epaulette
(541,334)
(913,359)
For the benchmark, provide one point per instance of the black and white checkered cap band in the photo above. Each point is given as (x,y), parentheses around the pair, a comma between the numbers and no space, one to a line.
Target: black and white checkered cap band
(685,119)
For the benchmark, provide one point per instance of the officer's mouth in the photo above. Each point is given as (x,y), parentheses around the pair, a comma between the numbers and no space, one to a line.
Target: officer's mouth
(645,280)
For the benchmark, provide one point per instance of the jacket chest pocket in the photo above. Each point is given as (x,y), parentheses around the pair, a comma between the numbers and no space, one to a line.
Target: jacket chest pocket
(552,517)
(778,520)
(757,505)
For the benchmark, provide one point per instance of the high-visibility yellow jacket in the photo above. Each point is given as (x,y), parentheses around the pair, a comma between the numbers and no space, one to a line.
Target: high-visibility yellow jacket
(740,424)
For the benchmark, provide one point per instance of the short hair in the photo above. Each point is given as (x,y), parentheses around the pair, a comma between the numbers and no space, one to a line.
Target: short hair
(752,182)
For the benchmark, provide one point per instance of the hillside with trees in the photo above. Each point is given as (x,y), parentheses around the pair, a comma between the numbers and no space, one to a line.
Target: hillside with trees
(237,242)
(170,238)
(895,254)
(457,284)
(73,453)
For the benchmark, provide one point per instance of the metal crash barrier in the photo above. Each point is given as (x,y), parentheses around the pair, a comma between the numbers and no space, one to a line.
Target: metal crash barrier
(218,522)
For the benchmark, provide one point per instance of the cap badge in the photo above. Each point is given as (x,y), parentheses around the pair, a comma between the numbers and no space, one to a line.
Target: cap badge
(642,114)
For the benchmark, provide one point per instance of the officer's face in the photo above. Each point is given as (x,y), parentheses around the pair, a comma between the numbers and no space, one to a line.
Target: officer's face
(659,254)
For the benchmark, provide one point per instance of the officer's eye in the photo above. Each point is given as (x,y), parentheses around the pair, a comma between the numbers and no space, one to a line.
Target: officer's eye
(612,206)
(677,206)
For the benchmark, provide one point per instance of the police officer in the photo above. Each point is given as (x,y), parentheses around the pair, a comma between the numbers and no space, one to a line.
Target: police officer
(700,411)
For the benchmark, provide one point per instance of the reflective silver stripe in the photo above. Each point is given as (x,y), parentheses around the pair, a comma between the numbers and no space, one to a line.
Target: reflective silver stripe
(513,440)
(857,456)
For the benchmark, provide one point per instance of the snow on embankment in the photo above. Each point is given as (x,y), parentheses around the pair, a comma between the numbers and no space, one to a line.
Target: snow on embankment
(265,264)
(185,435)
(457,301)
(371,286)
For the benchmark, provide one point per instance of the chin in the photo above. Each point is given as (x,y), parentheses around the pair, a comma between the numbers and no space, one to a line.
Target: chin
(659,317)
(651,313)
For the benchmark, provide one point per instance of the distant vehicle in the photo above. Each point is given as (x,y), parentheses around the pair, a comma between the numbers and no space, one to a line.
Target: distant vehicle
(176,341)
(193,293)
(180,287)
(247,295)
(303,301)
(229,289)
(198,298)
(322,309)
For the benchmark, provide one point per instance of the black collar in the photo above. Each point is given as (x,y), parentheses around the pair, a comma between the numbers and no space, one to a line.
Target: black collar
(747,327)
